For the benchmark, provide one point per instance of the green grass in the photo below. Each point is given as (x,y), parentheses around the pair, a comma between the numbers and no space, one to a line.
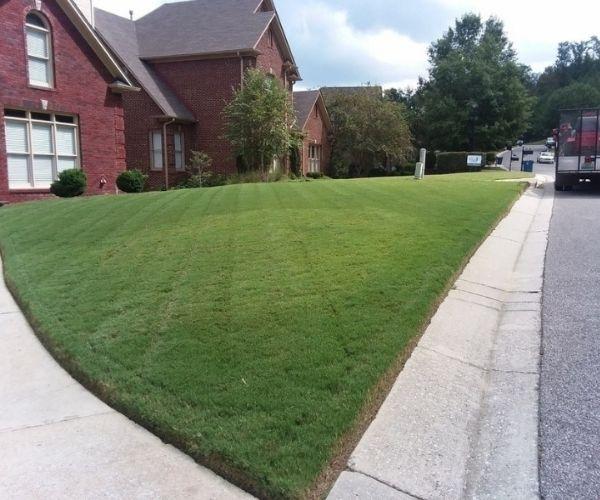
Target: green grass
(246,323)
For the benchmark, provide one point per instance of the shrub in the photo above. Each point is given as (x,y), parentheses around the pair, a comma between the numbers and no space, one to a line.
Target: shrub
(131,181)
(212,179)
(200,163)
(249,177)
(378,171)
(450,163)
(490,158)
(70,183)
(430,161)
(315,175)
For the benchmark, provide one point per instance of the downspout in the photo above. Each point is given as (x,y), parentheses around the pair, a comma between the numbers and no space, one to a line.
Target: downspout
(241,70)
(166,152)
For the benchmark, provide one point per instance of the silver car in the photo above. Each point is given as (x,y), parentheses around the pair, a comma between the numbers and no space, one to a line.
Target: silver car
(546,157)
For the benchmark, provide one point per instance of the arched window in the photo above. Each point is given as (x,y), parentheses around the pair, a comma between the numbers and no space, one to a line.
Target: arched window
(39,51)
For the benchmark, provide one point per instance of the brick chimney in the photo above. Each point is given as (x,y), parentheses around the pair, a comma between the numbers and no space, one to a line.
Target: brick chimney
(87,9)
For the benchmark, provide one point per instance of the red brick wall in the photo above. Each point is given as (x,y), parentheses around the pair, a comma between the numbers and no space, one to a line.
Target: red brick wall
(80,89)
(204,87)
(270,59)
(316,133)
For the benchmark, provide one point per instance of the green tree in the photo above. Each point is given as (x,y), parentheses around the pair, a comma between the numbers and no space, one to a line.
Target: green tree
(574,95)
(367,132)
(573,81)
(476,96)
(259,121)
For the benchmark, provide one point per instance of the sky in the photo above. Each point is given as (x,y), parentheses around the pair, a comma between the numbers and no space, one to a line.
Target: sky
(384,42)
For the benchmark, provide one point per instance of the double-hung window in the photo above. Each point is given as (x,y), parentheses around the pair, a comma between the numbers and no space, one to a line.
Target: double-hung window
(314,158)
(178,150)
(39,51)
(156,150)
(39,146)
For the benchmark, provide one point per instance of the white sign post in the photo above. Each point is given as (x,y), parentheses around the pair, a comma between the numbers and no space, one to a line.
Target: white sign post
(420,170)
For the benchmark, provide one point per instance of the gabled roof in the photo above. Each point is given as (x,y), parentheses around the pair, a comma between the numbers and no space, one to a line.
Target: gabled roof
(79,20)
(120,35)
(304,103)
(186,30)
(201,27)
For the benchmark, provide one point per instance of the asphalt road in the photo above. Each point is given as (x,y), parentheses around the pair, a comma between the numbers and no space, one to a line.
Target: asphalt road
(570,377)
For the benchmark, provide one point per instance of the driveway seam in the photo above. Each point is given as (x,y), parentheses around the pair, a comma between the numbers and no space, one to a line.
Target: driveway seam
(55,422)
(385,483)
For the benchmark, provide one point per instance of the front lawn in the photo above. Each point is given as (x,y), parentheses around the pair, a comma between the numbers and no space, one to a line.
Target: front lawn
(247,324)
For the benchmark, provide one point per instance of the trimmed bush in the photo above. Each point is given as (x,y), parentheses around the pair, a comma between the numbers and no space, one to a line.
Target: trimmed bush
(131,181)
(315,175)
(70,183)
(454,162)
(490,158)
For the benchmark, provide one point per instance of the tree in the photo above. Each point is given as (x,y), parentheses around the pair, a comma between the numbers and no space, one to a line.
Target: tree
(476,96)
(259,121)
(573,81)
(367,132)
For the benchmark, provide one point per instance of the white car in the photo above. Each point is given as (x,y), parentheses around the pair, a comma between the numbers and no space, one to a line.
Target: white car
(546,157)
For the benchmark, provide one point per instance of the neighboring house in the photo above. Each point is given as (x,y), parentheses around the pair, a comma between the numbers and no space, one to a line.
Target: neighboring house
(313,120)
(188,58)
(61,100)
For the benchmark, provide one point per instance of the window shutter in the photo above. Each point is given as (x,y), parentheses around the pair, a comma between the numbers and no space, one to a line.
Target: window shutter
(16,137)
(41,139)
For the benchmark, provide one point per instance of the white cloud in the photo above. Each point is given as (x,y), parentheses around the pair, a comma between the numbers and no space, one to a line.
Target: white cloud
(353,56)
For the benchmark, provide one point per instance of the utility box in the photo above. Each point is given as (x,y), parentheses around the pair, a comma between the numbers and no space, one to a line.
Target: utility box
(420,168)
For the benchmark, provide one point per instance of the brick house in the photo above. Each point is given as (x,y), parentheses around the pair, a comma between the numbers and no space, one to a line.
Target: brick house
(188,57)
(61,100)
(312,118)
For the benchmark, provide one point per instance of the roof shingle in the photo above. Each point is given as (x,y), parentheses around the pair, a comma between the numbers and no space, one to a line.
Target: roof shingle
(120,35)
(304,102)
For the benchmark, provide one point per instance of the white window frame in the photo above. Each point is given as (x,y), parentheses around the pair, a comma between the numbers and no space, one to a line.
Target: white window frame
(315,153)
(31,154)
(154,149)
(48,60)
(179,153)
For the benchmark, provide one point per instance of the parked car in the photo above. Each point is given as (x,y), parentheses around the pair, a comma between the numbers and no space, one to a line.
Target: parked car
(519,143)
(528,150)
(546,157)
(550,143)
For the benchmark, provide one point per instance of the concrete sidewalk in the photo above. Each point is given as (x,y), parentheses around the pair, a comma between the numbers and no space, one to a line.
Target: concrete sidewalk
(461,420)
(59,441)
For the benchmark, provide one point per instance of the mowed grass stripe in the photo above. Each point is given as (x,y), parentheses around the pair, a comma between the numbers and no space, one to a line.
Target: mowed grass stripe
(246,323)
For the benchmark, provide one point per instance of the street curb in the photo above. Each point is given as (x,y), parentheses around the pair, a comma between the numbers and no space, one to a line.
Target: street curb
(461,420)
